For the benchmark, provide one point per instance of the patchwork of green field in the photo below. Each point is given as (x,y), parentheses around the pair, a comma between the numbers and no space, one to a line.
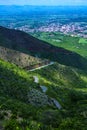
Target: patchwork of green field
(83,41)
(72,43)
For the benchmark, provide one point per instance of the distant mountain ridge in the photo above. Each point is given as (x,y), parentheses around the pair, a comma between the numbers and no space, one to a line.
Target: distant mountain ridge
(25,43)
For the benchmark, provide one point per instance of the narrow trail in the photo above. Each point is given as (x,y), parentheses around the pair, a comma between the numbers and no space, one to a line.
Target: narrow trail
(51,63)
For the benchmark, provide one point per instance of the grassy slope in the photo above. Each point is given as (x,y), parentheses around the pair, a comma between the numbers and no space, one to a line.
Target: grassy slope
(76,44)
(65,84)
(69,87)
(15,87)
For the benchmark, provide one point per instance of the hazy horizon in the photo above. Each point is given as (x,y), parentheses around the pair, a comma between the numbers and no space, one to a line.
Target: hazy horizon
(46,5)
(45,2)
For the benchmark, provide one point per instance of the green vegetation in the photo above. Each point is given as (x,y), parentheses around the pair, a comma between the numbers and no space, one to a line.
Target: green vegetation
(75,44)
(37,50)
(20,59)
(68,86)
(23,104)
(20,110)
(83,41)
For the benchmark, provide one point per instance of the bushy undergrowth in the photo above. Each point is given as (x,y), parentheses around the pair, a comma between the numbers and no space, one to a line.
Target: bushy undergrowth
(17,114)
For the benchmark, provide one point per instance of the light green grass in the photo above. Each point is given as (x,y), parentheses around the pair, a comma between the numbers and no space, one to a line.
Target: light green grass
(83,41)
(74,44)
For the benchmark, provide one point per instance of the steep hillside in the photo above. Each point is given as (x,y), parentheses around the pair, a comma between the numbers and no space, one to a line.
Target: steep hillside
(69,87)
(21,59)
(51,98)
(24,105)
(23,42)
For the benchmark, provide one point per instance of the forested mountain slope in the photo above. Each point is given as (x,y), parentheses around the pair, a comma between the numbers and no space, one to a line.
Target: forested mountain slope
(23,104)
(31,100)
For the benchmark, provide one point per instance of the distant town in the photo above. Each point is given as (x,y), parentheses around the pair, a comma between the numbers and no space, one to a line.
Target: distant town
(73,29)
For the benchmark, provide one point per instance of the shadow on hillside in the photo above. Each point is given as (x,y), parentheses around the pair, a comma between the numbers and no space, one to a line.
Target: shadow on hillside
(28,44)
